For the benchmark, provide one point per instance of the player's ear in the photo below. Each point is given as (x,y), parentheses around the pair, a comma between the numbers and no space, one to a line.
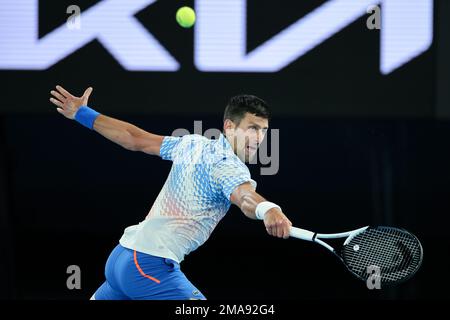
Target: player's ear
(228,126)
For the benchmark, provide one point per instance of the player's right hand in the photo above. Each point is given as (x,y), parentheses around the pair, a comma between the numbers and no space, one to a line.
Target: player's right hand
(277,224)
(68,104)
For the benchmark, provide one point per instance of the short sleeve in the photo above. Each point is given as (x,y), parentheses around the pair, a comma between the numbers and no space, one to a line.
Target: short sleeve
(169,147)
(228,174)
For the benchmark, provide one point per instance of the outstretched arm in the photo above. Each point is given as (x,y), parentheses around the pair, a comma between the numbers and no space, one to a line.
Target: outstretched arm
(123,133)
(247,199)
(127,135)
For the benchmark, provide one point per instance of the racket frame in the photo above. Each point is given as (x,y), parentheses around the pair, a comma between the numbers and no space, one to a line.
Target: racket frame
(307,235)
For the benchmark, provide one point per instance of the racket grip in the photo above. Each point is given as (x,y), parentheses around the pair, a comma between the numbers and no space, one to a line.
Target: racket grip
(302,234)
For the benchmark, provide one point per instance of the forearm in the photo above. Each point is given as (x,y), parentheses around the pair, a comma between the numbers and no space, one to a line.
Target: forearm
(276,223)
(248,201)
(249,204)
(120,132)
(123,133)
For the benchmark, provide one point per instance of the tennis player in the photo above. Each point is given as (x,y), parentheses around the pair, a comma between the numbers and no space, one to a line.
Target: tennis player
(206,177)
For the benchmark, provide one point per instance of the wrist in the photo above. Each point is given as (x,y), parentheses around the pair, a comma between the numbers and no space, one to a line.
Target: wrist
(86,116)
(263,207)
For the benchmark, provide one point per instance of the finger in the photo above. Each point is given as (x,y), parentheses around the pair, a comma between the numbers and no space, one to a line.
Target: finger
(63,91)
(58,96)
(87,93)
(286,231)
(56,102)
(275,229)
(60,110)
(281,228)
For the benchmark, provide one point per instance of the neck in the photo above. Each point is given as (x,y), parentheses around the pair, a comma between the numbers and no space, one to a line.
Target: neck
(231,142)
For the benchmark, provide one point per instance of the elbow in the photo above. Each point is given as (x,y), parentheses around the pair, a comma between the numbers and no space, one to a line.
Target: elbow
(129,142)
(247,204)
(130,147)
(246,199)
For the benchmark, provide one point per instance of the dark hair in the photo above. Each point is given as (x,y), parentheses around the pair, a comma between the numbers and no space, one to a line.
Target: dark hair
(241,104)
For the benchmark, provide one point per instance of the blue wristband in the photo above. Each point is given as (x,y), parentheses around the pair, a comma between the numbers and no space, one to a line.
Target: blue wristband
(86,116)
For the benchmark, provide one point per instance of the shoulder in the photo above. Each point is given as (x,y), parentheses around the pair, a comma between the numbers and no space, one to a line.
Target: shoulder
(193,138)
(185,140)
(229,163)
(173,147)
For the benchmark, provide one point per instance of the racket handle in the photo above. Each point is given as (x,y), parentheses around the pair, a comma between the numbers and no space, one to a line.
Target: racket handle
(302,234)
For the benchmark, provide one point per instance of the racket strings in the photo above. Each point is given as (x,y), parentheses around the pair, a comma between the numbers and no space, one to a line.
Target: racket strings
(394,253)
(384,253)
(389,258)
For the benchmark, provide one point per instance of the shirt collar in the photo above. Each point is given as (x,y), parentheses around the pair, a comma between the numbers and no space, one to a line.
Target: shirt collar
(225,144)
(224,141)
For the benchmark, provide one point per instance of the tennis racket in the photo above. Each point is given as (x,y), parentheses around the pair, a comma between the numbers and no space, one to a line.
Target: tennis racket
(394,253)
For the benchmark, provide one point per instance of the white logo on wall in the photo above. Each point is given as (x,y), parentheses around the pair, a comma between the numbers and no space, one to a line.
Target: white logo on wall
(407,31)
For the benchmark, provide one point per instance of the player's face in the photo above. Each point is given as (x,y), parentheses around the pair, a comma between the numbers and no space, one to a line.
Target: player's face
(247,136)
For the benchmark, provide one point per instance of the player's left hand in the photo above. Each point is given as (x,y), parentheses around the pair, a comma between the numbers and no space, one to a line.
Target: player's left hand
(277,224)
(67,103)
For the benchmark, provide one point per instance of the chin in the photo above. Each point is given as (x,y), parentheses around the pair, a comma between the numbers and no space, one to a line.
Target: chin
(247,157)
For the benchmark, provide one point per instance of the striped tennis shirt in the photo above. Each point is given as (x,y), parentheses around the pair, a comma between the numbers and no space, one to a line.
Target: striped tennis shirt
(194,198)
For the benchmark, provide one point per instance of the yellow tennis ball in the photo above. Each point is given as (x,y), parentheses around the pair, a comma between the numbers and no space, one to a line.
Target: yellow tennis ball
(185,17)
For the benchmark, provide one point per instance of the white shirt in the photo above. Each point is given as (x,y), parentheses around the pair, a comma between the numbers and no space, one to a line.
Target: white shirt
(194,198)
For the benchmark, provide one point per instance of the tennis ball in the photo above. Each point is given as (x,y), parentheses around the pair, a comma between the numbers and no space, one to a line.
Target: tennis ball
(185,17)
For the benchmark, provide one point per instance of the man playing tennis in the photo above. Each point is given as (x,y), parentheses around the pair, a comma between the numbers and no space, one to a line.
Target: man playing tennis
(206,177)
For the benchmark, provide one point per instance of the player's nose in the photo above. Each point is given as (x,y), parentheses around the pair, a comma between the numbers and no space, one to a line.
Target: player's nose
(260,136)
